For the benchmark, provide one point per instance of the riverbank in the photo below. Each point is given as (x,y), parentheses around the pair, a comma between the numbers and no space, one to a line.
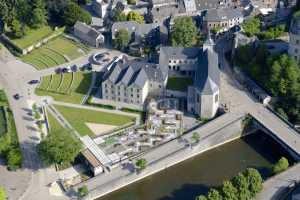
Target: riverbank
(219,131)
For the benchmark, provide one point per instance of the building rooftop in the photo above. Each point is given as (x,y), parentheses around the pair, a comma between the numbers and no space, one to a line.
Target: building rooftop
(86,29)
(134,73)
(295,25)
(222,14)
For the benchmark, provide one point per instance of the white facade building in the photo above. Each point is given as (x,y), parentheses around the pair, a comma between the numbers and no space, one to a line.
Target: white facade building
(132,82)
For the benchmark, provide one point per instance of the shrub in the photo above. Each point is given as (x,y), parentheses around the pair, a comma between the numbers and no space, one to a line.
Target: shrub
(280,166)
(3,195)
(14,159)
(141,163)
(83,191)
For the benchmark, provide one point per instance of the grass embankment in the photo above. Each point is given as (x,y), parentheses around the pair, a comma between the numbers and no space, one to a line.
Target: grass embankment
(9,143)
(57,51)
(69,87)
(34,36)
(77,117)
(179,83)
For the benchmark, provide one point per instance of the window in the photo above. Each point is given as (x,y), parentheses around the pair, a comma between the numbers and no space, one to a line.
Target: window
(137,101)
(105,85)
(170,67)
(296,57)
(159,86)
(297,41)
(296,50)
(137,90)
(119,99)
(216,98)
(170,61)
(138,96)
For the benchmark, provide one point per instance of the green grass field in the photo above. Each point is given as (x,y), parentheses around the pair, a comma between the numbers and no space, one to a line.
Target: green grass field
(33,36)
(179,83)
(78,117)
(55,52)
(71,89)
(54,125)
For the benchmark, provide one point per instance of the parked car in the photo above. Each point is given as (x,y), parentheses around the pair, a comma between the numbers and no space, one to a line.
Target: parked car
(33,82)
(58,70)
(16,96)
(64,70)
(87,66)
(74,68)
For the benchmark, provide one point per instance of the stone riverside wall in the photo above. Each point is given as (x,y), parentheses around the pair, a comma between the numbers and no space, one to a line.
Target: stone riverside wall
(223,133)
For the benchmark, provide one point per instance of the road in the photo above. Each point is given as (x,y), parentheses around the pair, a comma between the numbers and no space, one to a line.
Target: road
(31,182)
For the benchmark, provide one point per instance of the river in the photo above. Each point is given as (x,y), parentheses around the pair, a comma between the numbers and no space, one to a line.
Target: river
(193,177)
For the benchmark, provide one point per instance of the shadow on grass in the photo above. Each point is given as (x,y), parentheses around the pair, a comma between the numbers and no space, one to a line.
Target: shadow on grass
(84,84)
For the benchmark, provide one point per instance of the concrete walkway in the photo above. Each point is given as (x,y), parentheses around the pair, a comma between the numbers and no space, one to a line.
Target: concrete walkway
(275,186)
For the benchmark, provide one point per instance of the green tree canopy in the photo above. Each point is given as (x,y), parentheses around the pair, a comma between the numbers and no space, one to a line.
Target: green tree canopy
(16,29)
(201,197)
(141,163)
(119,16)
(184,32)
(73,13)
(240,182)
(59,147)
(213,194)
(122,39)
(254,180)
(251,27)
(280,166)
(83,191)
(229,192)
(135,16)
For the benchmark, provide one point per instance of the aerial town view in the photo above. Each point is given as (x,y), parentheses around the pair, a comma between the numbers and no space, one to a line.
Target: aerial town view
(150,99)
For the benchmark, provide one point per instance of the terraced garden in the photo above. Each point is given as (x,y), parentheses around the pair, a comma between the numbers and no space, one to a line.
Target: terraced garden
(55,52)
(68,87)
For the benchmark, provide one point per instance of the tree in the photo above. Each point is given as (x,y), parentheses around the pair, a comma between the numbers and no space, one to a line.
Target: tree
(16,29)
(213,194)
(196,137)
(56,10)
(83,191)
(254,180)
(122,39)
(229,192)
(38,18)
(118,15)
(280,166)
(135,16)
(251,27)
(2,194)
(201,197)
(240,182)
(73,13)
(59,147)
(141,163)
(14,159)
(184,32)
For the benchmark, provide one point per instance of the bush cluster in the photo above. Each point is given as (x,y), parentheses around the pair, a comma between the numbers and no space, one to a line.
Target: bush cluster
(243,186)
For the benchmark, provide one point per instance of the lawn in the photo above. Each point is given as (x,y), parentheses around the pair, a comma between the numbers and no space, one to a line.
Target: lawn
(58,51)
(55,82)
(78,117)
(179,83)
(33,36)
(73,94)
(54,125)
(66,83)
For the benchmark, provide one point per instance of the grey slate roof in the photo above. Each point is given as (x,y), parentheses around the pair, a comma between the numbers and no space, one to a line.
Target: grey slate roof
(134,73)
(222,14)
(295,26)
(207,4)
(207,76)
(133,27)
(86,29)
